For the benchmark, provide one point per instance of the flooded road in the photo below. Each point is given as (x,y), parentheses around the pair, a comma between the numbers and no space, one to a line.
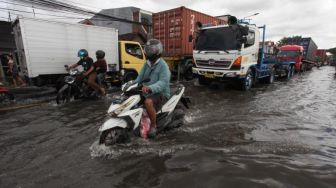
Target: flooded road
(281,135)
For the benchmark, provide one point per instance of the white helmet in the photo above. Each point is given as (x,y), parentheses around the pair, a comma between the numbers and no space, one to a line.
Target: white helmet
(153,49)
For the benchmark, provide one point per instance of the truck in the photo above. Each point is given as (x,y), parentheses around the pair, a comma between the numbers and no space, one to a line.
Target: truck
(230,53)
(173,28)
(43,48)
(321,56)
(301,51)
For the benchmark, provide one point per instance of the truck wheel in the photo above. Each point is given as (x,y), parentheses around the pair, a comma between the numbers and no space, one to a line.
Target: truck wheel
(270,79)
(247,82)
(303,68)
(203,81)
(289,73)
(188,73)
(130,75)
(38,81)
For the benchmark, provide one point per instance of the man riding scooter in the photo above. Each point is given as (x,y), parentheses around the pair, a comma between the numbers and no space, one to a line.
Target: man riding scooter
(157,90)
(87,63)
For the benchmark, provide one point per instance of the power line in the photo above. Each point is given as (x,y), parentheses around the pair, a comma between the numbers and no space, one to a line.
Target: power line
(58,16)
(77,9)
(48,9)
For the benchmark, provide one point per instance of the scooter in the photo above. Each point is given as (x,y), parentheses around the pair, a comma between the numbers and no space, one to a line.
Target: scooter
(5,95)
(127,114)
(73,86)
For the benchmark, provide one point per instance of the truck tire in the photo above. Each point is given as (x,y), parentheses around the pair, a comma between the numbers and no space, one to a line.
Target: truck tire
(188,73)
(247,82)
(270,79)
(303,68)
(290,72)
(203,81)
(39,81)
(130,75)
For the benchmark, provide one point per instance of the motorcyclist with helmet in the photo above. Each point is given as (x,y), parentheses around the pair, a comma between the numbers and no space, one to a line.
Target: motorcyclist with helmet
(87,63)
(100,67)
(157,90)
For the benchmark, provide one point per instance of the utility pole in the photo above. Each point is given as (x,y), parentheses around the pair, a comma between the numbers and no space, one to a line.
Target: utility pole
(9,17)
(33,10)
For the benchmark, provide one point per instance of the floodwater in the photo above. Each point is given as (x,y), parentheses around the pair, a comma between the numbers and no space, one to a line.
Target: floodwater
(281,135)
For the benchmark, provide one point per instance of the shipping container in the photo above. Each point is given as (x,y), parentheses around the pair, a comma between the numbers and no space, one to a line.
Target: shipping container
(173,28)
(309,47)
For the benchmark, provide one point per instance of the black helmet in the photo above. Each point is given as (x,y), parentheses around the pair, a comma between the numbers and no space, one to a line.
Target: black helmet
(83,53)
(100,54)
(153,49)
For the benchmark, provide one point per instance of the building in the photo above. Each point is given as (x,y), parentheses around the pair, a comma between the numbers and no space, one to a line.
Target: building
(269,47)
(128,20)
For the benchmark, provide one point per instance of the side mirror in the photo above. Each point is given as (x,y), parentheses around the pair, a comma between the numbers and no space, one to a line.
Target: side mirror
(190,38)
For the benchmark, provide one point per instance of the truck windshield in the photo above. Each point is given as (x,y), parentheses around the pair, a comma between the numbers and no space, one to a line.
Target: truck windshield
(288,53)
(217,39)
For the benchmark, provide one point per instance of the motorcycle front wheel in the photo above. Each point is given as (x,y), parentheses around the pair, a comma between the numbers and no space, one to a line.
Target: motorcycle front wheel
(63,95)
(113,136)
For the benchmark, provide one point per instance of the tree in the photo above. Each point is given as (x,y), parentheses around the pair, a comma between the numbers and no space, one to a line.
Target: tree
(289,40)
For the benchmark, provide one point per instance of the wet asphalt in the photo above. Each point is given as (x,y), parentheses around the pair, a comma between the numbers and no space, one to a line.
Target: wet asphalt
(279,135)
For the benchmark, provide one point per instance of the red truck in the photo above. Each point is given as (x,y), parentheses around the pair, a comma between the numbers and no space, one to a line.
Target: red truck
(321,56)
(292,54)
(300,50)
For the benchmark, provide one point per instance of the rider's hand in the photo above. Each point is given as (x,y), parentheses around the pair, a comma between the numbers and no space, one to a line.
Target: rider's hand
(80,77)
(146,89)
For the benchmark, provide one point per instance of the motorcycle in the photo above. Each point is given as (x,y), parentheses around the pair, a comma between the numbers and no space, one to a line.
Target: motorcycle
(127,114)
(5,95)
(74,86)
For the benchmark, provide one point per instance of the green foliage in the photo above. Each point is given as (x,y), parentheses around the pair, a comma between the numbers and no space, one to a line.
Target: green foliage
(286,40)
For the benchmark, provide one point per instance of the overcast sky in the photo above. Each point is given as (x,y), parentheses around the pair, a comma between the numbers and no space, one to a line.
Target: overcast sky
(309,18)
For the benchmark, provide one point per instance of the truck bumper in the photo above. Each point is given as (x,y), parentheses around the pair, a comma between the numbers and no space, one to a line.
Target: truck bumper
(221,75)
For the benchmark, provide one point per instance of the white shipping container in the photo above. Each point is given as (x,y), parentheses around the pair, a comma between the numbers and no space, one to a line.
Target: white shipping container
(44,46)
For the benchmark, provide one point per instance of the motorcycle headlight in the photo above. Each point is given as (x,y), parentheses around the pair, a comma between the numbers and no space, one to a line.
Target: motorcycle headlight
(73,72)
(69,80)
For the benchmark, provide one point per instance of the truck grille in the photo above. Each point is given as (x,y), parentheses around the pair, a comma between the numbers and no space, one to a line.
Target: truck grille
(213,64)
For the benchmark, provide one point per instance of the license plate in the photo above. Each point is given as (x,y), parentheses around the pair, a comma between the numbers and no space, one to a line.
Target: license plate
(209,75)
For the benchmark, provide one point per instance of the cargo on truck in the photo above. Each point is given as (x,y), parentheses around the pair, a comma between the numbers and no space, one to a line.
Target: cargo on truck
(230,53)
(173,28)
(44,47)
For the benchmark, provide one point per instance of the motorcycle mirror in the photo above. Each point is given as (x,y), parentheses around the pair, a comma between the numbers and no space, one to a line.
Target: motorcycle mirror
(66,66)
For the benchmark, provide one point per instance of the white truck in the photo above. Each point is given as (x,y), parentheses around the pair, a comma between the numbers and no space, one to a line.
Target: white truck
(231,53)
(44,47)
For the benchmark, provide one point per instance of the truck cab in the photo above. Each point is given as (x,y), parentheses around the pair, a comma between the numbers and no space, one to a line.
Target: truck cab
(229,53)
(131,59)
(291,54)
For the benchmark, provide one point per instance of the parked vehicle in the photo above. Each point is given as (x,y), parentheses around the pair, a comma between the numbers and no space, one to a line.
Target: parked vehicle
(302,51)
(172,28)
(289,60)
(321,55)
(5,95)
(75,87)
(230,53)
(44,46)
(127,115)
